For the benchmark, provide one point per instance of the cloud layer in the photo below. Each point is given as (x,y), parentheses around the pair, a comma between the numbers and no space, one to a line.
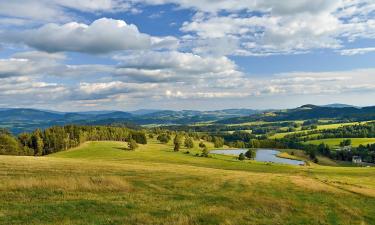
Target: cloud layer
(75,54)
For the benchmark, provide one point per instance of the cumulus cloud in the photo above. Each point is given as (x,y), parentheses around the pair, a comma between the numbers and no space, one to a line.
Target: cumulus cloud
(140,69)
(57,10)
(42,64)
(102,36)
(173,66)
(27,91)
(338,82)
(281,27)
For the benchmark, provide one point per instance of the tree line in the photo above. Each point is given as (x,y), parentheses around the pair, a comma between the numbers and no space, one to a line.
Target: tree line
(59,138)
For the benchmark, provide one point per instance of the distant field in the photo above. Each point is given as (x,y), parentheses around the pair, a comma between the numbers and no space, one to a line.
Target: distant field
(320,127)
(334,142)
(101,183)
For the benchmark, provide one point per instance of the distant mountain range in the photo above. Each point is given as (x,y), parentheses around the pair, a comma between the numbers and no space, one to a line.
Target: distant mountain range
(338,105)
(306,112)
(20,120)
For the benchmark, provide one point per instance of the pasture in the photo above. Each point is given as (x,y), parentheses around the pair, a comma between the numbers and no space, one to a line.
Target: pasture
(103,183)
(335,142)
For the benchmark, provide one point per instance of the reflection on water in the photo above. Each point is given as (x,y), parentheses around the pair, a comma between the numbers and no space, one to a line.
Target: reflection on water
(263,155)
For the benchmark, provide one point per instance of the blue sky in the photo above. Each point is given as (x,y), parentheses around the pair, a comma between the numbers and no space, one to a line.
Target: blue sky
(74,55)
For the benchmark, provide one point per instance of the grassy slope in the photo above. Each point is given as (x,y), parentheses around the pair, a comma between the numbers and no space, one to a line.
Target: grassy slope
(320,127)
(100,183)
(334,142)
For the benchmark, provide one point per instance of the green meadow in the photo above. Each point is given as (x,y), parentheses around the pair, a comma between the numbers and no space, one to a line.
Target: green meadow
(319,127)
(104,183)
(335,142)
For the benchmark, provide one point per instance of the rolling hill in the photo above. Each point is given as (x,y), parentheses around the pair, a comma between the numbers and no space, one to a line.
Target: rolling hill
(307,112)
(101,183)
(21,120)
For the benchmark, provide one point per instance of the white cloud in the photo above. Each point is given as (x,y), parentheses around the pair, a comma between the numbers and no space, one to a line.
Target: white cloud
(42,64)
(102,36)
(26,91)
(279,7)
(57,10)
(173,66)
(283,27)
(338,82)
(356,51)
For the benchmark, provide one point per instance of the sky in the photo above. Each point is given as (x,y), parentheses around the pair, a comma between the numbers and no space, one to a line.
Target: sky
(85,55)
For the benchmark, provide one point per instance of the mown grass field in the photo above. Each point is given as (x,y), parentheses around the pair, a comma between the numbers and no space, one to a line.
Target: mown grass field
(335,142)
(102,183)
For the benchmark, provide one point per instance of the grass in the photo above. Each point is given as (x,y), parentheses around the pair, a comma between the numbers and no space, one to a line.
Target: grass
(335,142)
(320,127)
(101,183)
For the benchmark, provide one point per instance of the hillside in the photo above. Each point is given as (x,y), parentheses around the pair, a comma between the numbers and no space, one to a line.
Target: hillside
(26,120)
(101,183)
(307,112)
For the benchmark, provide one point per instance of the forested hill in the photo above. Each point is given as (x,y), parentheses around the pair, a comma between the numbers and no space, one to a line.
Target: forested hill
(307,112)
(27,120)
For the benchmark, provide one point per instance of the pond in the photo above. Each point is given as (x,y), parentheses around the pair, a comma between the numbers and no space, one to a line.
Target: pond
(263,155)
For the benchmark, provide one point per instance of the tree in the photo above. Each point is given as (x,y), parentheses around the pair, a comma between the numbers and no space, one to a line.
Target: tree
(132,144)
(254,143)
(241,157)
(177,143)
(346,142)
(9,145)
(189,142)
(37,142)
(250,154)
(164,138)
(202,145)
(139,137)
(218,142)
(204,152)
(312,154)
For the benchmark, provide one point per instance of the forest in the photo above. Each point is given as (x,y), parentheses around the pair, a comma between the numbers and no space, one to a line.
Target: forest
(59,138)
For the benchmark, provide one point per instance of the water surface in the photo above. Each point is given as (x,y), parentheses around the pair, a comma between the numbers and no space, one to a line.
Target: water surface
(263,155)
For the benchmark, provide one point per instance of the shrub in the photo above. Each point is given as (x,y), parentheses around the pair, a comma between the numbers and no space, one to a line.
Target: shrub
(250,154)
(189,142)
(241,157)
(132,144)
(164,138)
(204,152)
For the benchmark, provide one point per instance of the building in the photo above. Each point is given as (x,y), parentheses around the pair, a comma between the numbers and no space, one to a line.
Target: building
(357,159)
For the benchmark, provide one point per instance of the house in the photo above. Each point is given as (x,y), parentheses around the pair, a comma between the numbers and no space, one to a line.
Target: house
(357,159)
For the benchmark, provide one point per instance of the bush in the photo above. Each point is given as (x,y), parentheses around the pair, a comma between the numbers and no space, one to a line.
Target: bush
(204,152)
(189,142)
(177,143)
(164,138)
(241,157)
(132,144)
(139,137)
(250,154)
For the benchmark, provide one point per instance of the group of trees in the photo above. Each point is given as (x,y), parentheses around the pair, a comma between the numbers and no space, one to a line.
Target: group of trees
(59,138)
(249,154)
